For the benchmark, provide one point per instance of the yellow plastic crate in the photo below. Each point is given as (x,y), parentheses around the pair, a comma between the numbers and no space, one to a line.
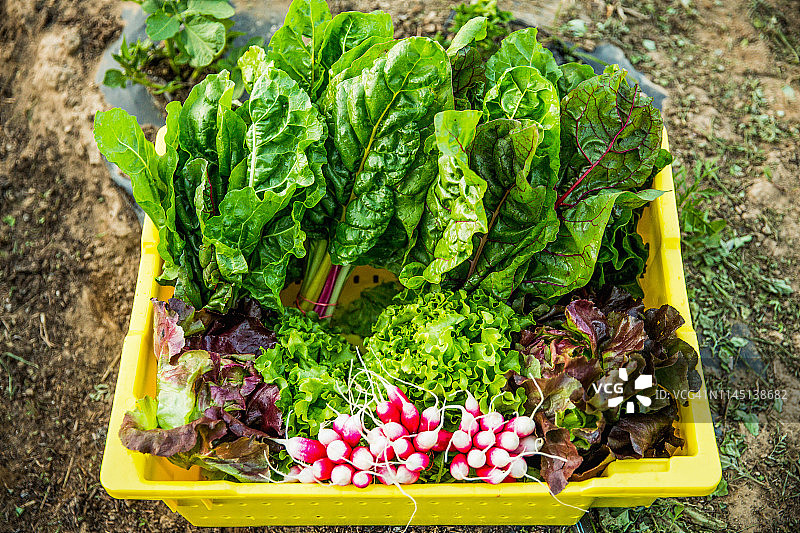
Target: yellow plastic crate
(625,483)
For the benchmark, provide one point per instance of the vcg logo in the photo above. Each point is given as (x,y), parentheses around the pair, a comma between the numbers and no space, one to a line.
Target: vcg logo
(645,381)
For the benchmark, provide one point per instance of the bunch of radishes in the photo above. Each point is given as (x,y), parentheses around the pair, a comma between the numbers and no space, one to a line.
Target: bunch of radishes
(400,445)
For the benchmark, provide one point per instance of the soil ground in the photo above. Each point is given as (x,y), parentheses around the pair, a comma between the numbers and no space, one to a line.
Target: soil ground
(69,246)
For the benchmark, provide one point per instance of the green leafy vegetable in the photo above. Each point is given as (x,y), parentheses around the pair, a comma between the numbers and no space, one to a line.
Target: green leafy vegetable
(521,48)
(448,343)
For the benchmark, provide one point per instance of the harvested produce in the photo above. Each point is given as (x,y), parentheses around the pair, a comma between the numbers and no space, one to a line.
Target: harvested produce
(502,194)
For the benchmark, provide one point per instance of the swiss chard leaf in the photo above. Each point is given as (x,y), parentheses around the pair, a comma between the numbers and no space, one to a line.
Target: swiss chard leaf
(379,120)
(522,93)
(467,64)
(201,115)
(121,141)
(295,47)
(522,217)
(454,209)
(350,30)
(568,262)
(611,137)
(522,48)
(572,75)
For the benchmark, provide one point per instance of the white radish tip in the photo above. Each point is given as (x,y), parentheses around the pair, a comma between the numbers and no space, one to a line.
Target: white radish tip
(459,468)
(402,448)
(498,457)
(339,422)
(406,476)
(430,418)
(518,468)
(484,439)
(327,435)
(461,441)
(508,440)
(426,440)
(469,424)
(342,475)
(476,458)
(523,426)
(362,479)
(394,431)
(417,462)
(471,405)
(306,475)
(322,469)
(337,451)
(492,422)
(491,475)
(362,458)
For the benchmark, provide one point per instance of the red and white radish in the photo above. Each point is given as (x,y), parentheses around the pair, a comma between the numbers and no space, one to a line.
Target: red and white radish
(497,457)
(461,441)
(382,450)
(327,435)
(476,458)
(529,445)
(303,450)
(442,441)
(468,424)
(508,440)
(394,431)
(387,474)
(403,448)
(409,417)
(339,422)
(306,475)
(430,419)
(492,422)
(294,471)
(471,405)
(417,462)
(374,435)
(342,475)
(426,440)
(518,468)
(396,396)
(406,476)
(459,468)
(362,458)
(322,469)
(351,430)
(484,439)
(362,479)
(491,475)
(387,412)
(338,451)
(521,425)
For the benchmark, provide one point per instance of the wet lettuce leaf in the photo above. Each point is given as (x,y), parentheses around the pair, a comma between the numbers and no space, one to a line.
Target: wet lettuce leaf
(210,407)
(309,366)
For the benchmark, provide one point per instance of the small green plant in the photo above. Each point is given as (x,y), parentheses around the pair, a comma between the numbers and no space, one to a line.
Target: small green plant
(498,23)
(185,39)
(699,230)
